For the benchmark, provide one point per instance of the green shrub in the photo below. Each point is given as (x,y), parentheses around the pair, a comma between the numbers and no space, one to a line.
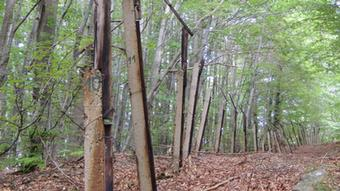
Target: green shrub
(28,164)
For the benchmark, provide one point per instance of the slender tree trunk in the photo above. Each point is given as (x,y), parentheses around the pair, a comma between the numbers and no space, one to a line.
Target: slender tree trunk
(220,125)
(6,39)
(180,103)
(277,142)
(45,39)
(121,119)
(233,130)
(191,108)
(204,119)
(5,46)
(269,138)
(255,125)
(158,57)
(268,124)
(245,138)
(140,122)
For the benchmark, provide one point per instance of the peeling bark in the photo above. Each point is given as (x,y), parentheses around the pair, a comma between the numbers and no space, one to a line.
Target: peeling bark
(94,131)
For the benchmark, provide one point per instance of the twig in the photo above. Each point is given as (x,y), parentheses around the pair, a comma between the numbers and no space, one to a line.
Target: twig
(63,173)
(69,179)
(26,16)
(323,158)
(179,18)
(221,183)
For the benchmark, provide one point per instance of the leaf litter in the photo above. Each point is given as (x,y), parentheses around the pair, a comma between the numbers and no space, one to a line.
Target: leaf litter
(203,172)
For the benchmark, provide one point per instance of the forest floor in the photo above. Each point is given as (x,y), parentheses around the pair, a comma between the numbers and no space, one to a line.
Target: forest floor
(259,171)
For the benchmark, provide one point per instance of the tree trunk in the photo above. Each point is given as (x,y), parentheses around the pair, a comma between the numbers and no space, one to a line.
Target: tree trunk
(204,117)
(94,131)
(191,108)
(5,46)
(6,40)
(45,39)
(245,138)
(180,103)
(233,130)
(98,105)
(255,123)
(120,119)
(158,58)
(269,138)
(220,125)
(103,63)
(140,123)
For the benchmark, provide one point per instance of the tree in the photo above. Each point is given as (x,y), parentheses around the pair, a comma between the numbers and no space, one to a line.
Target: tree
(196,73)
(204,117)
(140,121)
(180,102)
(98,102)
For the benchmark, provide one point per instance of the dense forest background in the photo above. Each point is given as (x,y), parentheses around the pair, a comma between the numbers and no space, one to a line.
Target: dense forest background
(269,70)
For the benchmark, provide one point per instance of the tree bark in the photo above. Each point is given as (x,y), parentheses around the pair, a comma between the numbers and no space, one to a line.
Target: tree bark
(180,103)
(220,125)
(245,137)
(5,46)
(158,57)
(140,123)
(120,119)
(6,39)
(98,105)
(204,117)
(94,131)
(255,125)
(269,138)
(103,63)
(191,108)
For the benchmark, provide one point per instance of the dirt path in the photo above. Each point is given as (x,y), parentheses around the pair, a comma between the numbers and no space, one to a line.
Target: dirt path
(261,171)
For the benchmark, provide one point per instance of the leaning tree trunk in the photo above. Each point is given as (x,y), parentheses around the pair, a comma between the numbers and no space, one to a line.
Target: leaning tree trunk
(5,41)
(140,122)
(204,117)
(220,124)
(191,108)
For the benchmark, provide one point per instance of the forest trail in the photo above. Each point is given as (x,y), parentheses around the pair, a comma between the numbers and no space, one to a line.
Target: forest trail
(259,171)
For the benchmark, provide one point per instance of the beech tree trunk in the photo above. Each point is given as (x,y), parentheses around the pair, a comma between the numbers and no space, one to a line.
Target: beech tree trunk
(220,124)
(41,64)
(204,117)
(5,41)
(158,58)
(255,125)
(245,138)
(140,122)
(180,103)
(94,131)
(120,119)
(269,138)
(5,46)
(191,108)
